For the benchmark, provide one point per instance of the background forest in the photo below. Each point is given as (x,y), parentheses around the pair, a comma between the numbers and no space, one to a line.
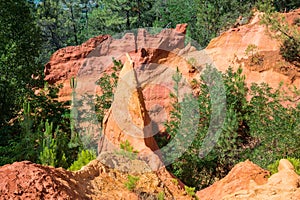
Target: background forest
(35,126)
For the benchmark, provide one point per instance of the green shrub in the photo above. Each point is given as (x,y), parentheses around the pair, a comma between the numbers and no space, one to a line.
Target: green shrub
(273,126)
(255,57)
(49,146)
(161,195)
(54,147)
(84,158)
(260,128)
(190,190)
(290,50)
(107,83)
(30,124)
(175,181)
(288,36)
(225,152)
(273,168)
(130,184)
(126,149)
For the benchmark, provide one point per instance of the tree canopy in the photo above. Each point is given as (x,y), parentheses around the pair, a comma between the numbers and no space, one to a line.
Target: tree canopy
(19,48)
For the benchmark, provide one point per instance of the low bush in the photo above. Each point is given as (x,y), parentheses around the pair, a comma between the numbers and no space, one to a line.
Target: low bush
(107,83)
(83,159)
(161,195)
(126,149)
(255,125)
(130,184)
(190,190)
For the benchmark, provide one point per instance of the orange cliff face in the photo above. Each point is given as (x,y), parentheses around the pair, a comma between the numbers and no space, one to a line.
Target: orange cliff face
(248,181)
(167,48)
(95,55)
(65,63)
(229,49)
(155,59)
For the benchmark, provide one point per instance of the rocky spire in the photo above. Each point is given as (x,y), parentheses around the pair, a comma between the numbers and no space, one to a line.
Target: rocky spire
(128,118)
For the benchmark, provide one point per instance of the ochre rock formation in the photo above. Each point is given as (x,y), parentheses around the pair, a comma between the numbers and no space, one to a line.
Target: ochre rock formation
(26,180)
(237,179)
(283,185)
(95,55)
(65,63)
(128,119)
(155,56)
(248,181)
(229,50)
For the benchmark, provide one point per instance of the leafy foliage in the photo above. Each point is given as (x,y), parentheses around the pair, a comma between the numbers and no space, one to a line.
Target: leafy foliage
(23,140)
(20,44)
(161,195)
(49,146)
(274,126)
(213,16)
(168,14)
(175,116)
(130,184)
(117,16)
(190,190)
(255,57)
(127,150)
(289,36)
(64,22)
(107,83)
(285,5)
(84,157)
(260,129)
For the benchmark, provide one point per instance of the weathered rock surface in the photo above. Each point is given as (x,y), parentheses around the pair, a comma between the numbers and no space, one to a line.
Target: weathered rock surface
(229,49)
(248,181)
(157,56)
(237,179)
(94,57)
(26,180)
(66,62)
(128,119)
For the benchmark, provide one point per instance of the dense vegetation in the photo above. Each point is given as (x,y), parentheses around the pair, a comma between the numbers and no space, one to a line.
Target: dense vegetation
(35,126)
(260,128)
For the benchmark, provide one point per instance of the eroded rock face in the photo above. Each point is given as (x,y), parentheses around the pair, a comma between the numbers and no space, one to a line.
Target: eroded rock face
(229,49)
(283,185)
(26,180)
(155,58)
(66,62)
(95,55)
(248,181)
(237,179)
(127,119)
